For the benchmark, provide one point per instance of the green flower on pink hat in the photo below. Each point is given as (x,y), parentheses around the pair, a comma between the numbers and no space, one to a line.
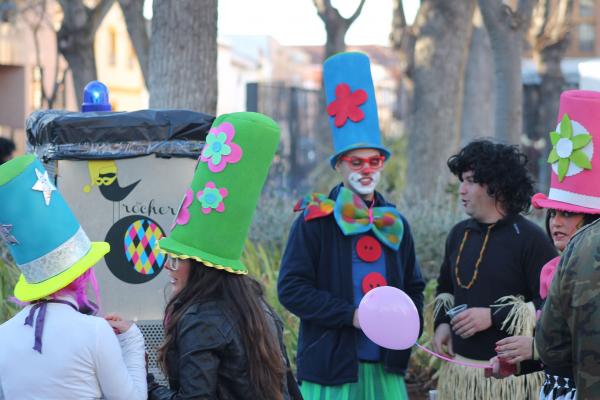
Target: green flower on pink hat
(219,149)
(211,198)
(568,148)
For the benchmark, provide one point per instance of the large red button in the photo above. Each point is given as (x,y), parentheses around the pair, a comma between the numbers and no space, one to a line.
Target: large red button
(373,280)
(368,249)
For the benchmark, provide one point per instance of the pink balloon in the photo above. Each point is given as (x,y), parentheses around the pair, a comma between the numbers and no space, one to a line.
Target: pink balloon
(389,318)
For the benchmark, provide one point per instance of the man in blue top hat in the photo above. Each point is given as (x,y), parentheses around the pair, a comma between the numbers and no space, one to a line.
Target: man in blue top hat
(345,244)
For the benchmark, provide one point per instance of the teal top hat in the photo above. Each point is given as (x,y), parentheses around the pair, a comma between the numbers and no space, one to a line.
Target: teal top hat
(46,241)
(351,104)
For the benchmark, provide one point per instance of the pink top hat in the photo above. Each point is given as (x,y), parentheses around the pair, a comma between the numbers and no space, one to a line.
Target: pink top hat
(575,156)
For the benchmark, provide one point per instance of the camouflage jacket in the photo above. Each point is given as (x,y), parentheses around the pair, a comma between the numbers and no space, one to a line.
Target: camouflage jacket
(568,333)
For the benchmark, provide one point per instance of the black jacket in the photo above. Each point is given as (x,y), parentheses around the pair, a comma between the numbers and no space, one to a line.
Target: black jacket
(208,360)
(315,283)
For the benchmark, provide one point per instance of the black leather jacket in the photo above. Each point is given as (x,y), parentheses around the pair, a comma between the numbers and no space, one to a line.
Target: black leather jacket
(208,360)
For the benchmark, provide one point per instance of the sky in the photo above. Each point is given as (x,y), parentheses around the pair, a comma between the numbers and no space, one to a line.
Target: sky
(295,22)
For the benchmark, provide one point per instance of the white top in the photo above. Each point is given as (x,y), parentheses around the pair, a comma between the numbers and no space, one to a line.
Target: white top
(81,358)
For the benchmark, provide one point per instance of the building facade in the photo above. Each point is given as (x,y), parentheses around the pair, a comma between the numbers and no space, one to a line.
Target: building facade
(585,34)
(23,73)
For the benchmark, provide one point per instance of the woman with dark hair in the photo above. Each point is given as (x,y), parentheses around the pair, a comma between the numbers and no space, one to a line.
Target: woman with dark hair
(222,340)
(56,347)
(576,219)
(232,332)
(569,209)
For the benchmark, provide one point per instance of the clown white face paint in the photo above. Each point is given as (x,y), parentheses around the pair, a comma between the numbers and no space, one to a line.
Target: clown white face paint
(364,185)
(364,179)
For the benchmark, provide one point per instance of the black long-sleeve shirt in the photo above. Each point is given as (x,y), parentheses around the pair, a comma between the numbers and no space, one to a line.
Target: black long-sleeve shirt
(515,253)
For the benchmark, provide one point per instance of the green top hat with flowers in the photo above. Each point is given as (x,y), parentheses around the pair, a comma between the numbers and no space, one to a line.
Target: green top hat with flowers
(215,215)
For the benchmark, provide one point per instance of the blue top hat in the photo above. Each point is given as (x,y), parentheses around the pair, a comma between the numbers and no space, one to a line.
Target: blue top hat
(46,241)
(351,104)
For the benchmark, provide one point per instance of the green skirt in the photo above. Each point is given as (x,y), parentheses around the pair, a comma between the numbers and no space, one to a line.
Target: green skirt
(373,384)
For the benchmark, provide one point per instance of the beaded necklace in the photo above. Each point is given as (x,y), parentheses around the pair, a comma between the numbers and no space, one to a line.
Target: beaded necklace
(460,249)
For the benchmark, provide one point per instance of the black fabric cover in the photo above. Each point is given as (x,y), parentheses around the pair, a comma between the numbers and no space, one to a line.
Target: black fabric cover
(54,134)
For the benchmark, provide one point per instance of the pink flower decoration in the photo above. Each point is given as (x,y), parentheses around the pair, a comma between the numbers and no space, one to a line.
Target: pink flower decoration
(347,105)
(219,149)
(183,216)
(212,198)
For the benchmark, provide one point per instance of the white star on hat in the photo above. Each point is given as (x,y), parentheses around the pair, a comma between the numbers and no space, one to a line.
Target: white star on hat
(44,185)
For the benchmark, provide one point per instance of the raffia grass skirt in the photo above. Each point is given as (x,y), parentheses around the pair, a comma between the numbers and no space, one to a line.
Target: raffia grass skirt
(456,382)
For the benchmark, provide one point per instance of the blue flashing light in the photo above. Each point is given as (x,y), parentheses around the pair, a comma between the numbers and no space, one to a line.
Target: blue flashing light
(95,97)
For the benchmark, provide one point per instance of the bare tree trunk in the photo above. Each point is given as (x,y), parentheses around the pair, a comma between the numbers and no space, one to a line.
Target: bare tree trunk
(479,100)
(137,27)
(549,36)
(442,30)
(183,55)
(75,39)
(403,40)
(39,11)
(506,30)
(336,26)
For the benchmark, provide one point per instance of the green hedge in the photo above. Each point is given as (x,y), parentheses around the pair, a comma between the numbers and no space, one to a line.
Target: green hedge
(8,278)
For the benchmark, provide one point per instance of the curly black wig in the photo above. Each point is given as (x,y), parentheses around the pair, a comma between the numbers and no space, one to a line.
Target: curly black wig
(499,166)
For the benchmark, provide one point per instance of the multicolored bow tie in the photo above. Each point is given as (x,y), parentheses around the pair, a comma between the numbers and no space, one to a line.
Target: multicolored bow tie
(353,216)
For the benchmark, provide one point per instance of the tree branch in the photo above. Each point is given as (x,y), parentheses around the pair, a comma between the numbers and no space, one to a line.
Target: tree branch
(550,24)
(27,9)
(356,12)
(99,12)
(136,27)
(403,39)
(539,19)
(35,28)
(518,19)
(41,17)
(64,4)
(324,8)
(523,13)
(563,21)
(57,85)
(525,8)
(398,25)
(327,11)
(491,9)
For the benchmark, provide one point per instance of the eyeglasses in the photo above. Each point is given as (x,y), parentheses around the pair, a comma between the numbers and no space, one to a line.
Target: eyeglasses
(357,163)
(172,264)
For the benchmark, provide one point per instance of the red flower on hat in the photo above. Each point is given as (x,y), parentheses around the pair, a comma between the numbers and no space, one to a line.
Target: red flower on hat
(346,105)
